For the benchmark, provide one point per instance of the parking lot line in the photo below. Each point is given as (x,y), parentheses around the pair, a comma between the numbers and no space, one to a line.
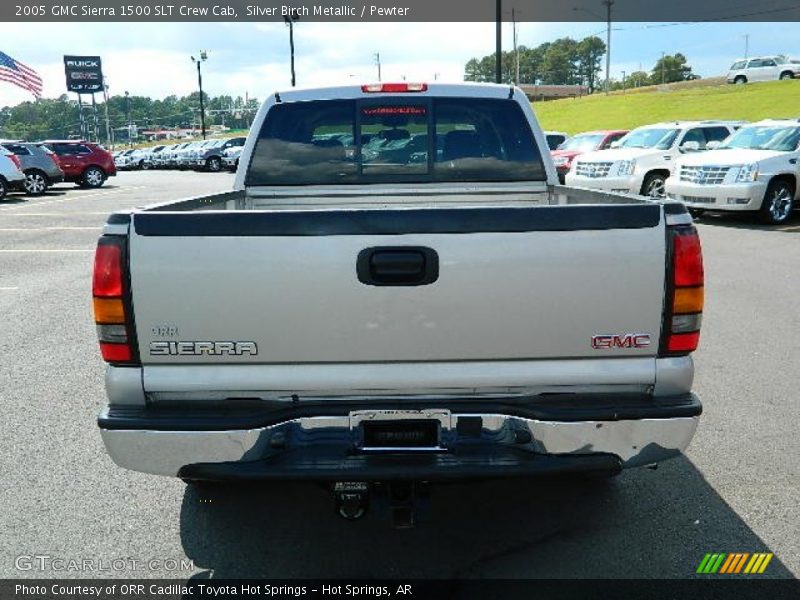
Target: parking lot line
(48,250)
(70,197)
(49,228)
(61,214)
(8,288)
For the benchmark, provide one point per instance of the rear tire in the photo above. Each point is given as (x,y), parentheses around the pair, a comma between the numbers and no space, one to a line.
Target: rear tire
(740,80)
(653,186)
(35,183)
(787,75)
(93,177)
(3,188)
(778,203)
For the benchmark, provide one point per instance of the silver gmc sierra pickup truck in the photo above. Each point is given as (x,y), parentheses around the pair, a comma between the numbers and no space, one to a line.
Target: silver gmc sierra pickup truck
(397,291)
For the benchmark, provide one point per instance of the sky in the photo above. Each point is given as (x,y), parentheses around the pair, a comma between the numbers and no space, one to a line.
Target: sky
(253,58)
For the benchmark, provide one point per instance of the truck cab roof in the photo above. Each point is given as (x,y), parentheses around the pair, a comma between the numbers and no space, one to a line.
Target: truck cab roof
(473,90)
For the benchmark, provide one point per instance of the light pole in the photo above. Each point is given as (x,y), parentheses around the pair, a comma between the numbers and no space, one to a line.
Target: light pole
(197,61)
(608,4)
(623,81)
(516,50)
(109,134)
(290,20)
(128,117)
(498,60)
(377,57)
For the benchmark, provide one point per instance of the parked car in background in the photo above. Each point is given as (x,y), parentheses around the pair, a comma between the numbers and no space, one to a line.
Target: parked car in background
(641,162)
(555,138)
(84,163)
(172,159)
(754,170)
(580,144)
(122,159)
(137,159)
(185,156)
(38,164)
(150,156)
(161,159)
(11,175)
(765,68)
(230,158)
(210,156)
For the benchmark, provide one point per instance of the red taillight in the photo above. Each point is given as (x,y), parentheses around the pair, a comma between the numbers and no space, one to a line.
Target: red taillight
(110,311)
(393,88)
(687,257)
(107,279)
(15,159)
(684,308)
(683,343)
(116,353)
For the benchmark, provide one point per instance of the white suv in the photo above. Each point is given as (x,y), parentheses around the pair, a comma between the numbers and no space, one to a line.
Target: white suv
(755,170)
(765,68)
(641,162)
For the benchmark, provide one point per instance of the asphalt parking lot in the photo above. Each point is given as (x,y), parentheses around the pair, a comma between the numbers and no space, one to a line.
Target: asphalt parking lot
(736,490)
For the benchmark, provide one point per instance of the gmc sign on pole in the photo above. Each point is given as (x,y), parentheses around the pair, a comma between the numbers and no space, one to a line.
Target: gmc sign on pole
(84,74)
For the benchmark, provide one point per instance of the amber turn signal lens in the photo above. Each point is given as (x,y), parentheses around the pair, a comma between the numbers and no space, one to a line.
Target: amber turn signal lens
(109,310)
(688,300)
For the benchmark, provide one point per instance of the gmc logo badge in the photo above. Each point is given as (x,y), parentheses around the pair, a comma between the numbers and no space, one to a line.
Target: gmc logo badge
(613,341)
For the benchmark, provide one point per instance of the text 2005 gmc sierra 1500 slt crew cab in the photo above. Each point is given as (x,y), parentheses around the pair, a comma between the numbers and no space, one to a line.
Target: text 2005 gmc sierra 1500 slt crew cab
(397,289)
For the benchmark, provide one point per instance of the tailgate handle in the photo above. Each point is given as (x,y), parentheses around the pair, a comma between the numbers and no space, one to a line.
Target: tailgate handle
(398,266)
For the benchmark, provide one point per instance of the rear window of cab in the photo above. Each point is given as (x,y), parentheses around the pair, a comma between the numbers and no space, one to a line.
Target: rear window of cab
(395,140)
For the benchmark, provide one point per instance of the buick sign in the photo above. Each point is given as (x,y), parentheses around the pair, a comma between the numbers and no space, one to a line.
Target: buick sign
(84,74)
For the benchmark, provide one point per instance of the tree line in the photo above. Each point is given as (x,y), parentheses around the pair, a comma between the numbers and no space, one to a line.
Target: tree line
(670,68)
(566,61)
(562,62)
(60,117)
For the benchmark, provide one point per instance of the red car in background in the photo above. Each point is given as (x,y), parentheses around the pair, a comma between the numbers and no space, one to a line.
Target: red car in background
(84,163)
(583,142)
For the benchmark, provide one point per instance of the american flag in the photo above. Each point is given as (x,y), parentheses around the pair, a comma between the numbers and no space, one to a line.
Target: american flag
(20,75)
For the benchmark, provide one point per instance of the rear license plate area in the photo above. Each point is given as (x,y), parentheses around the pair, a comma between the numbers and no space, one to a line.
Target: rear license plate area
(403,434)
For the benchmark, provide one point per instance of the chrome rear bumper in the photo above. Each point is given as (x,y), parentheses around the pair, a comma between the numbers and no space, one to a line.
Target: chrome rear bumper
(630,442)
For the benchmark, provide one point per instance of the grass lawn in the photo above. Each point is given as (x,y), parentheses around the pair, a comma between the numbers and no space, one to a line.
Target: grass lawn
(749,102)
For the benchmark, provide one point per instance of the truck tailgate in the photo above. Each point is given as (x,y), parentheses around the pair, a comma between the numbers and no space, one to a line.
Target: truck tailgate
(512,284)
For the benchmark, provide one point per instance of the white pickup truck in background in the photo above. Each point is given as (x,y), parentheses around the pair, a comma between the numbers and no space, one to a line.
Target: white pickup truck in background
(397,291)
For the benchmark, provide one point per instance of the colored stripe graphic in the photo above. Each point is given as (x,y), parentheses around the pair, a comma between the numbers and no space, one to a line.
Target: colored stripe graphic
(758,563)
(723,563)
(711,562)
(718,564)
(731,560)
(764,564)
(741,562)
(702,567)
